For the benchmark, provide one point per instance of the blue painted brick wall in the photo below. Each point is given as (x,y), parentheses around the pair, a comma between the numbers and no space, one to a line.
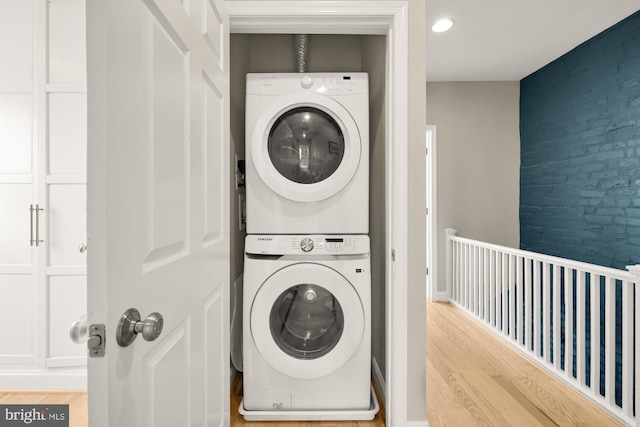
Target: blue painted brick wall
(580,160)
(580,151)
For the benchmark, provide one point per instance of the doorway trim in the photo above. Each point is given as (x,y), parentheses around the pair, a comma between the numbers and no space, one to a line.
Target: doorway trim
(389,18)
(431,216)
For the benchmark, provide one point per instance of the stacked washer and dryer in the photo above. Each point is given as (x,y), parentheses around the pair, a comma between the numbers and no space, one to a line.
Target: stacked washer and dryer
(307,283)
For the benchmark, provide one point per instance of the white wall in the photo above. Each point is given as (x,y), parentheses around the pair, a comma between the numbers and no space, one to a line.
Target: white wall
(478,161)
(416,297)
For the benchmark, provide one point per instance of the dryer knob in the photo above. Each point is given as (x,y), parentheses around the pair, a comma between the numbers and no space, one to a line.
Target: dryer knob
(306,82)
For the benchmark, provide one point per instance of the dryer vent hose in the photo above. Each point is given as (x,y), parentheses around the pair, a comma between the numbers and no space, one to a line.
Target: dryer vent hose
(302,52)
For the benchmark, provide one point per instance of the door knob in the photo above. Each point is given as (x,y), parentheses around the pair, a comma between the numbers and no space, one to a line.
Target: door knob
(93,335)
(82,248)
(130,326)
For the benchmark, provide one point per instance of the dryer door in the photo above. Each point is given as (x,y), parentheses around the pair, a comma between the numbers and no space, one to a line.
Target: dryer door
(306,147)
(307,320)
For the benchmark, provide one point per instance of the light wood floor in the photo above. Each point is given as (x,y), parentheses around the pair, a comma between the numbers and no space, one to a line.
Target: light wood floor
(473,379)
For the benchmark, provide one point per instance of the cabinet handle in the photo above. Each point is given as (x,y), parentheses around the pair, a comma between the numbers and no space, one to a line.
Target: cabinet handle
(37,210)
(31,241)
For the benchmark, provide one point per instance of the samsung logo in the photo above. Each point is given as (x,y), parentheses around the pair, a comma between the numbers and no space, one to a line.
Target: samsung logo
(268,239)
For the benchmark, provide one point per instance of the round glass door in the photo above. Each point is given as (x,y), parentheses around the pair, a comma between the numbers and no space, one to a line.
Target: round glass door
(306,145)
(306,321)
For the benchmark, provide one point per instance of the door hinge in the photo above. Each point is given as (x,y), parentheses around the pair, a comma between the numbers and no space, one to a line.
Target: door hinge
(393,254)
(427,271)
(427,211)
(426,151)
(96,341)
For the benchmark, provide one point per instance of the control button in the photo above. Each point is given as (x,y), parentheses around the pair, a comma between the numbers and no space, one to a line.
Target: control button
(306,82)
(306,245)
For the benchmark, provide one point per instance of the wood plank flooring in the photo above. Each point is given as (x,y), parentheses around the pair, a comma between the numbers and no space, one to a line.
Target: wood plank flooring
(474,379)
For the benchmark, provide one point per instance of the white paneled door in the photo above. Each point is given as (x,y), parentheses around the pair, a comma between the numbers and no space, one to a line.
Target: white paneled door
(158,209)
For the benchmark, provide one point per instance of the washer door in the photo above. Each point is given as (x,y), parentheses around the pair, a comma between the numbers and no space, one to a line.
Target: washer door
(307,320)
(306,147)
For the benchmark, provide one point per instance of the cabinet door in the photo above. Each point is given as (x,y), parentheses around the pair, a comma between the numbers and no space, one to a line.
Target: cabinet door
(17,286)
(43,166)
(65,183)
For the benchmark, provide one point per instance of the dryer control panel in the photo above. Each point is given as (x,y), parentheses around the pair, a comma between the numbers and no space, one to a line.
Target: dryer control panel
(328,84)
(316,244)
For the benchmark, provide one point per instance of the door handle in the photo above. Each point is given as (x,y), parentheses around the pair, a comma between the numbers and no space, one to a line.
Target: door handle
(36,210)
(80,332)
(130,326)
(82,248)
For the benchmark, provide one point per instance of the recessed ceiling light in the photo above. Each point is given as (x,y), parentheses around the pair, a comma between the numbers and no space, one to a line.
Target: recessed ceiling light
(442,25)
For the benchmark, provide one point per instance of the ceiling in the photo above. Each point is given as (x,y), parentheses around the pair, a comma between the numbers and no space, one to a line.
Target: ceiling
(506,40)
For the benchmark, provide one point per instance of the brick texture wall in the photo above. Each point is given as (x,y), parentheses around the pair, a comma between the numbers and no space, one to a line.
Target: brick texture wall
(580,151)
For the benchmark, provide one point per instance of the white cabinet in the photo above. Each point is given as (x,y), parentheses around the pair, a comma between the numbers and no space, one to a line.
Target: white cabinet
(42,163)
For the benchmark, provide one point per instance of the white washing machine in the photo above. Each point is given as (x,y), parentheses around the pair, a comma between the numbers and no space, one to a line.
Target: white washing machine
(307,153)
(306,326)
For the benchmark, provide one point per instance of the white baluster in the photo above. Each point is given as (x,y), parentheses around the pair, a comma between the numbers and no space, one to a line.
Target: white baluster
(546,310)
(635,270)
(505,283)
(595,334)
(537,319)
(557,330)
(610,341)
(528,303)
(451,261)
(627,348)
(580,329)
(568,322)
(512,296)
(520,299)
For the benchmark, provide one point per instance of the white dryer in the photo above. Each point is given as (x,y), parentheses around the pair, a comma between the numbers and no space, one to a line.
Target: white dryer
(307,153)
(306,326)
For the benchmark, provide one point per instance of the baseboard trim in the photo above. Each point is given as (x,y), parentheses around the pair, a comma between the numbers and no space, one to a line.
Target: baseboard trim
(417,424)
(39,380)
(440,296)
(379,380)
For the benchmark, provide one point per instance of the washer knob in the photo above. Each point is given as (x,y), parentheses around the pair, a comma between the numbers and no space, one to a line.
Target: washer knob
(306,245)
(306,82)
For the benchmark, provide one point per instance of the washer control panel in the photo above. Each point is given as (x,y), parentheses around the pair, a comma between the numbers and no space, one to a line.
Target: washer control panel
(306,244)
